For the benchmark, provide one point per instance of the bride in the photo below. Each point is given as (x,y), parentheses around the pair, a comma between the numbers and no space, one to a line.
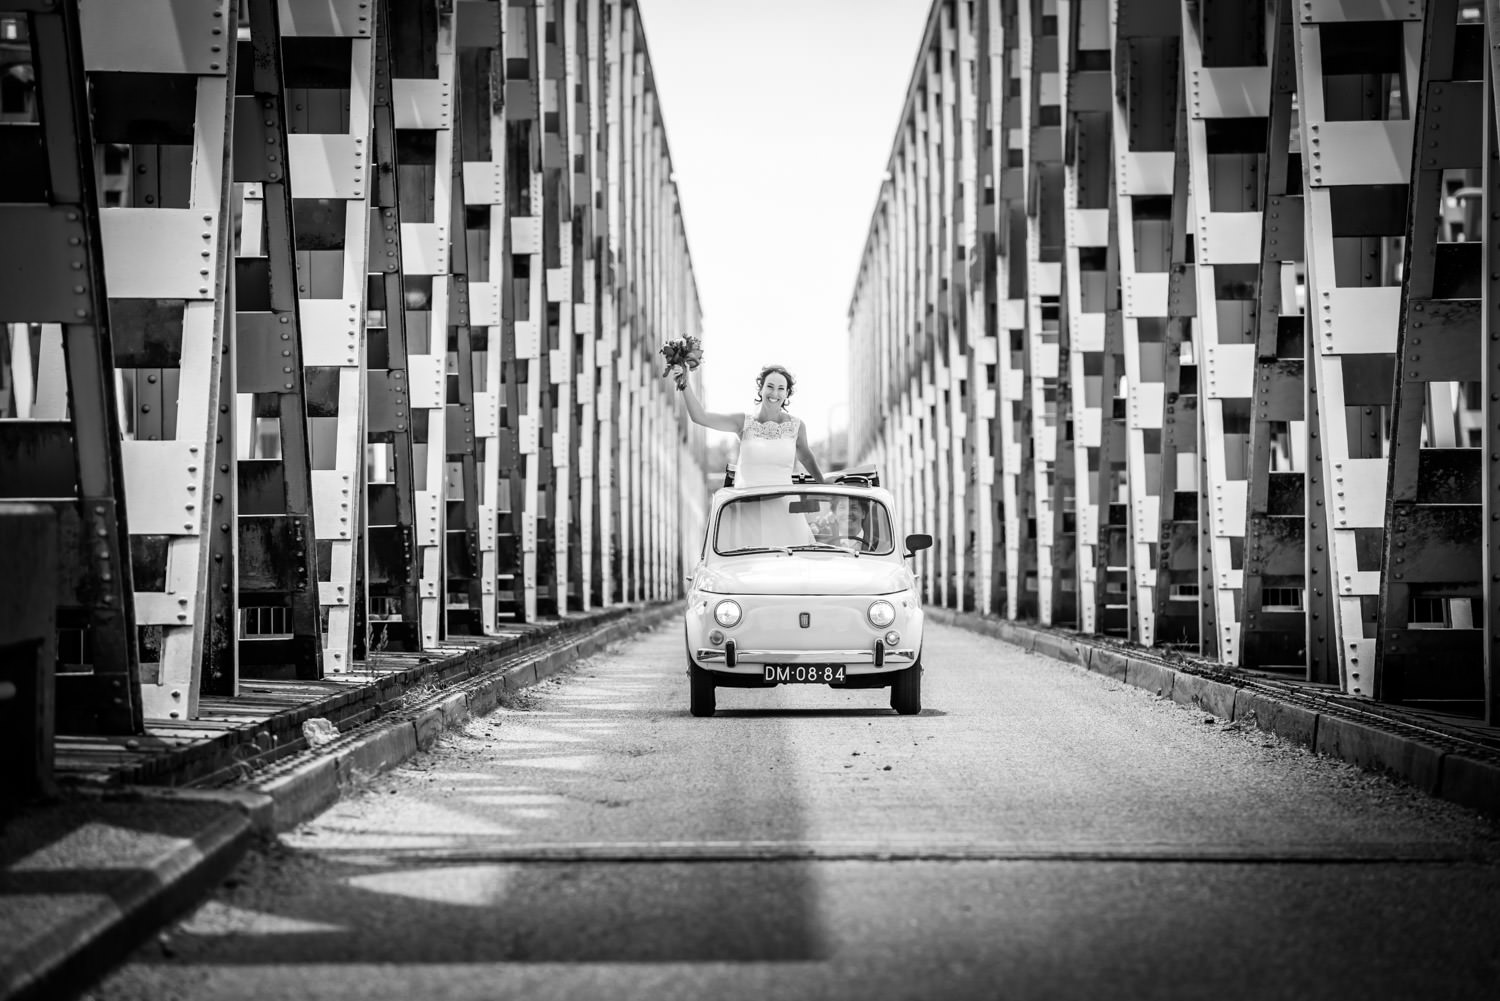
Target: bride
(772,441)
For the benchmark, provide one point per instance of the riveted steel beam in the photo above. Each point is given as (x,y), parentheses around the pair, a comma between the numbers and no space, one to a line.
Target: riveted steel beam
(377,360)
(1184,615)
(462,559)
(1285,616)
(982,214)
(61,441)
(1225,66)
(1147,65)
(389,584)
(1091,315)
(160,88)
(478,222)
(1490,368)
(1430,644)
(1041,124)
(275,555)
(1357,85)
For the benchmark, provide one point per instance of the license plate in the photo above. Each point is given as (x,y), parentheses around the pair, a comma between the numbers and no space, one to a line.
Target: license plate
(804,674)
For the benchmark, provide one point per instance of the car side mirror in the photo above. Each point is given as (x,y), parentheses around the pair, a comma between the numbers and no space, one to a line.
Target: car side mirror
(917,542)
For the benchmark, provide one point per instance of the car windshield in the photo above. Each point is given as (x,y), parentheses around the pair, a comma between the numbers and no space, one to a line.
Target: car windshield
(784,521)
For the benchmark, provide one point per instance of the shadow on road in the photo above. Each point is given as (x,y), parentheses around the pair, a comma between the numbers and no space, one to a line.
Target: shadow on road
(598,758)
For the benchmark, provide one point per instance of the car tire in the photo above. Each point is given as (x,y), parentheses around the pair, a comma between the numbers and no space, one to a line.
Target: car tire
(700,691)
(906,691)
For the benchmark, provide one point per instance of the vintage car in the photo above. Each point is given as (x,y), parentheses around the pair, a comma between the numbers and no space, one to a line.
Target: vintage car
(806,584)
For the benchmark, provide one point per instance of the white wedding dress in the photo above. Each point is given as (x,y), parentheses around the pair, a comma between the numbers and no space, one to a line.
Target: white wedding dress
(768,454)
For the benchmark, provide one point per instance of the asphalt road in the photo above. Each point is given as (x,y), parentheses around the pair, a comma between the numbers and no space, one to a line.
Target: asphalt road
(1038,832)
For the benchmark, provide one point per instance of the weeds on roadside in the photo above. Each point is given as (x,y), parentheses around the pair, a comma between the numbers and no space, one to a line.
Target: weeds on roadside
(376,652)
(419,693)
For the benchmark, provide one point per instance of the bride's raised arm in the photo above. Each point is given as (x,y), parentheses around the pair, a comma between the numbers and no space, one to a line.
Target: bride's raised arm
(732,423)
(804,453)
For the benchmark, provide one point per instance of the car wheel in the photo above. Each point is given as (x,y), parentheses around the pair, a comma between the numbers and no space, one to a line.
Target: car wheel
(700,691)
(906,691)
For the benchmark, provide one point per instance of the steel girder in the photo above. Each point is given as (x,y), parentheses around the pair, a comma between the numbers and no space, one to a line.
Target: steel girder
(1357,144)
(388,603)
(1431,642)
(270,553)
(350,311)
(1230,269)
(60,442)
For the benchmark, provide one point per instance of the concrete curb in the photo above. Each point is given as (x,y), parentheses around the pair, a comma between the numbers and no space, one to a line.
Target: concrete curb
(72,952)
(1461,771)
(308,782)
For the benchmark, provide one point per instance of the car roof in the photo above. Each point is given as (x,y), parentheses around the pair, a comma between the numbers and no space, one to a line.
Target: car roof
(724,495)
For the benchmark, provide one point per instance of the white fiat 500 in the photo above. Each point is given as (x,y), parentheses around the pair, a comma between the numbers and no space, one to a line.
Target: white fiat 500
(806,584)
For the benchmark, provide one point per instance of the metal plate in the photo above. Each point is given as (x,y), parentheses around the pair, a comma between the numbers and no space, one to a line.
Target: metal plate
(424,248)
(1360,10)
(1359,320)
(330,333)
(1146,173)
(159,253)
(1089,227)
(327,166)
(422,104)
(1145,294)
(1358,488)
(164,481)
(429,525)
(1231,92)
(527,436)
(326,17)
(1146,403)
(1229,370)
(484,304)
(37,282)
(425,375)
(484,183)
(1359,153)
(486,415)
(1046,278)
(525,235)
(1229,508)
(1231,238)
(528,340)
(155,36)
(333,512)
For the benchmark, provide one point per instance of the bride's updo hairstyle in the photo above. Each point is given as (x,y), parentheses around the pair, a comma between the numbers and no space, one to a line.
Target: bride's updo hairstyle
(760,381)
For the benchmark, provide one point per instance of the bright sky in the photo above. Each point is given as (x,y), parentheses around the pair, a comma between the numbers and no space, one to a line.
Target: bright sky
(780,116)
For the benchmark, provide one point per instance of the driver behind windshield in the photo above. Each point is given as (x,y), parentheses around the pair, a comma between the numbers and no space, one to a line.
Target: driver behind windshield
(853,535)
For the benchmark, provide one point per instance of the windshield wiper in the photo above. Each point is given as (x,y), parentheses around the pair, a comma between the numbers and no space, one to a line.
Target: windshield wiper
(756,549)
(819,546)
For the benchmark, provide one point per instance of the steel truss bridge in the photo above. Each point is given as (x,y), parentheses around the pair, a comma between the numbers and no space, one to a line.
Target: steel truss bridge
(1177,322)
(326,327)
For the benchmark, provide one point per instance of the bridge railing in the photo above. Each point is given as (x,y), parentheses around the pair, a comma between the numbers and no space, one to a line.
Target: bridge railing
(332,327)
(1180,315)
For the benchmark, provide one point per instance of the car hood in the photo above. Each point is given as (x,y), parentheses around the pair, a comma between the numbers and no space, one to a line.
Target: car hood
(803,573)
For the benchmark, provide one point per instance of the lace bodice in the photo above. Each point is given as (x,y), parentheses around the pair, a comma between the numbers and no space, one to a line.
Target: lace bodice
(771,430)
(768,452)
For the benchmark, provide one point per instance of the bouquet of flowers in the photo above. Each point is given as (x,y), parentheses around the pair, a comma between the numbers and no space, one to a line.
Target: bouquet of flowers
(684,353)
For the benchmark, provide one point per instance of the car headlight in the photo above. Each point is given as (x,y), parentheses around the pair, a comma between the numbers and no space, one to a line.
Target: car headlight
(882,613)
(727,613)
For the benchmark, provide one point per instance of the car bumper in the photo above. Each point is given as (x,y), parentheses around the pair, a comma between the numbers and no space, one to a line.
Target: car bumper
(771,633)
(753,661)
